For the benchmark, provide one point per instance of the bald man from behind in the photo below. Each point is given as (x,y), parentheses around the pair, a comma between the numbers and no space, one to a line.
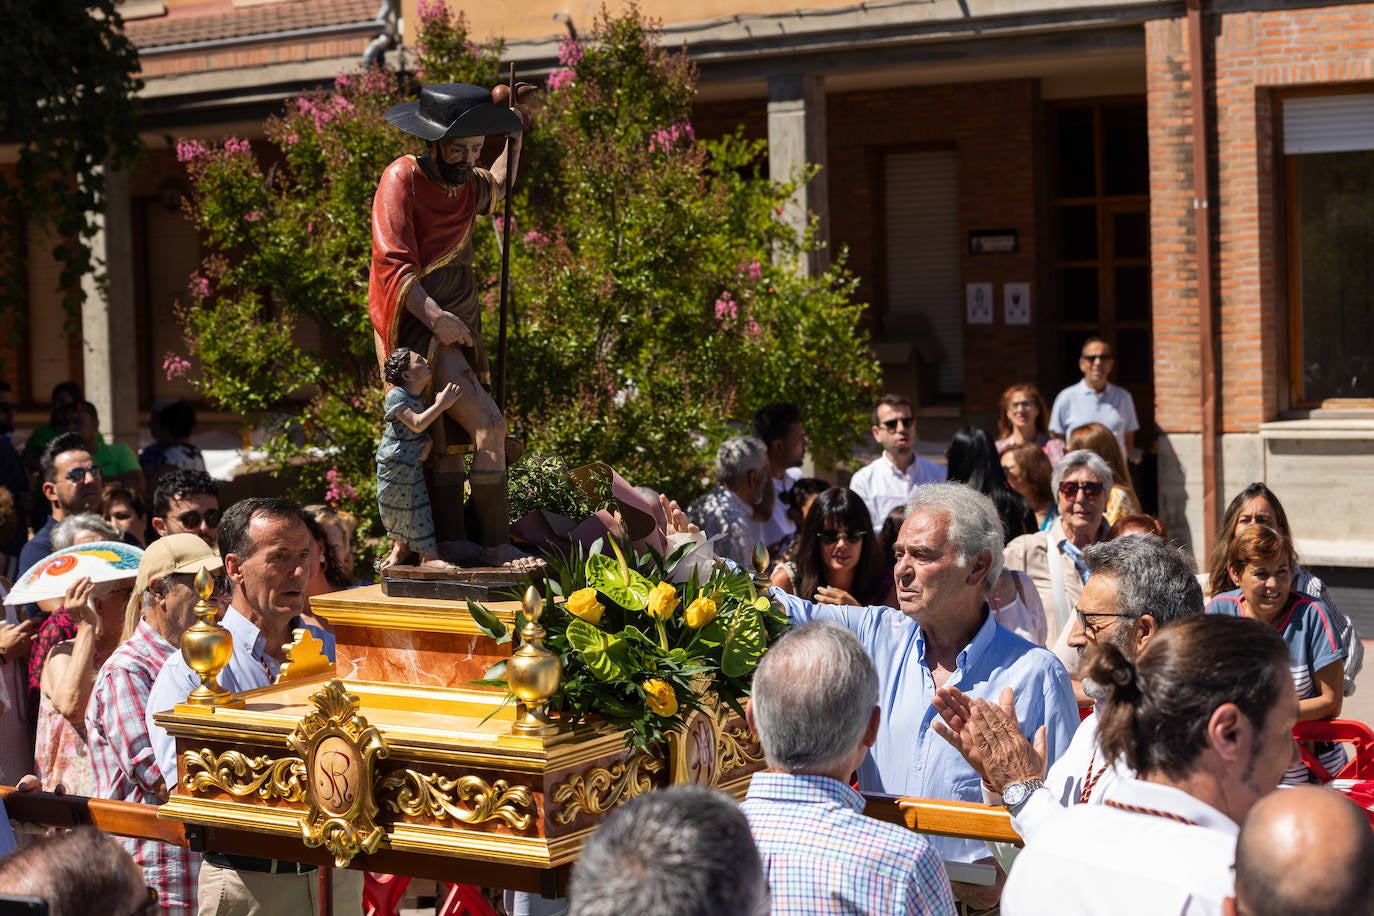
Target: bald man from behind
(1304,850)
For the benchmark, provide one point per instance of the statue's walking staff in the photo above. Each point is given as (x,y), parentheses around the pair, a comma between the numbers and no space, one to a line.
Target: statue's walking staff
(505,269)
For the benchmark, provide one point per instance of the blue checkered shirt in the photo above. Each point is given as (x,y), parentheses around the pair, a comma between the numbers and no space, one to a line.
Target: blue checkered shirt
(823,856)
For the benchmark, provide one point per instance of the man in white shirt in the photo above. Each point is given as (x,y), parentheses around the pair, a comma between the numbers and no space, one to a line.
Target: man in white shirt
(1205,717)
(780,428)
(886,483)
(1096,400)
(1138,583)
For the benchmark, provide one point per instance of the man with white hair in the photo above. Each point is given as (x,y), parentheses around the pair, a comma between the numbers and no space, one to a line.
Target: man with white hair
(727,509)
(948,554)
(815,710)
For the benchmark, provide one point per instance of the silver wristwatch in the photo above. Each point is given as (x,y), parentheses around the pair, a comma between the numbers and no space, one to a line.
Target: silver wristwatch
(1014,794)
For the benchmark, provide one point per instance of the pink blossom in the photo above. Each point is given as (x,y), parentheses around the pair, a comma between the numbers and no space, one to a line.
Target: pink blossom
(667,138)
(432,11)
(751,327)
(200,286)
(174,366)
(342,82)
(234,146)
(189,150)
(726,308)
(252,216)
(535,237)
(753,271)
(338,491)
(291,139)
(560,79)
(569,51)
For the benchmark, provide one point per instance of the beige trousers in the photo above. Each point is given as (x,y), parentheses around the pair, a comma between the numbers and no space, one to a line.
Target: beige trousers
(225,892)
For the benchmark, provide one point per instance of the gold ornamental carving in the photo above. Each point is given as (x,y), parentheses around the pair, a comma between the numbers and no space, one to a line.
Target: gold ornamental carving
(340,752)
(239,775)
(601,789)
(738,748)
(467,799)
(305,657)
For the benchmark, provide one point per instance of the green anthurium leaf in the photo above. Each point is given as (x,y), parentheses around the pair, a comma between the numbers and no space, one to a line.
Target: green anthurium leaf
(744,643)
(496,671)
(488,622)
(606,654)
(713,635)
(626,587)
(761,603)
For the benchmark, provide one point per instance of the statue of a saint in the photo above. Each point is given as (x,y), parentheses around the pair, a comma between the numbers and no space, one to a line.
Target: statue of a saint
(423,295)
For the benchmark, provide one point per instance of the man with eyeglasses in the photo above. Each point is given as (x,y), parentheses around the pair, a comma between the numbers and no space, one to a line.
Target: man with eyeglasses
(887,482)
(1137,585)
(163,602)
(71,484)
(187,502)
(1096,400)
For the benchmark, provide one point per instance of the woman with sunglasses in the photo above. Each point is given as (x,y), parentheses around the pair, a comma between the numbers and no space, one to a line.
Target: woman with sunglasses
(837,555)
(1054,558)
(1023,418)
(1262,560)
(1258,505)
(1122,500)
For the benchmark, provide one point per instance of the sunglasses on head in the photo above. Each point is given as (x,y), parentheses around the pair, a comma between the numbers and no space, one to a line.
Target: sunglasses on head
(891,425)
(78,475)
(1069,489)
(829,536)
(191,518)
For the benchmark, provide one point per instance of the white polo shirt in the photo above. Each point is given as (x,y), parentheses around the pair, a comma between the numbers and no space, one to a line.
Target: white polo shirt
(1096,859)
(883,486)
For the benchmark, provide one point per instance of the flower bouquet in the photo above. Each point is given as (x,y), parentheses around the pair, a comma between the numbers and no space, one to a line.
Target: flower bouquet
(639,650)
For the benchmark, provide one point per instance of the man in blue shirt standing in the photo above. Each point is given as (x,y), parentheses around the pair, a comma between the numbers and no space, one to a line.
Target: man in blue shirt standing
(949,552)
(1096,400)
(815,710)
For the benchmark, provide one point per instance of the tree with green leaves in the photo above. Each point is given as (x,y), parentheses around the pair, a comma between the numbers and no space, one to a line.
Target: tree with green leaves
(647,319)
(67,101)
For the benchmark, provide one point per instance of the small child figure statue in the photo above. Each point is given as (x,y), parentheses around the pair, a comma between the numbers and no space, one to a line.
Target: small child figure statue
(401,494)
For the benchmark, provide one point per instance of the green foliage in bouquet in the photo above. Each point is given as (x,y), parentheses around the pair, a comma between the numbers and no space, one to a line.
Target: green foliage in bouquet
(638,650)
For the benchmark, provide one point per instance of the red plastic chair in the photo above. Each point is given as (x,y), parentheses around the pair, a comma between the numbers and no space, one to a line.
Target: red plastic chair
(382,894)
(1346,731)
(465,900)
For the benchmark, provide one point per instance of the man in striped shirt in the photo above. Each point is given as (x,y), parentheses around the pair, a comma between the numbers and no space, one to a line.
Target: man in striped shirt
(163,605)
(815,710)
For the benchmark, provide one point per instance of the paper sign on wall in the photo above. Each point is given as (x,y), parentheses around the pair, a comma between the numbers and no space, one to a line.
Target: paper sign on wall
(1016,303)
(978,298)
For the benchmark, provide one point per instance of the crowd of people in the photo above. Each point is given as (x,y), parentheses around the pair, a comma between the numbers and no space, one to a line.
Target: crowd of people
(1005,627)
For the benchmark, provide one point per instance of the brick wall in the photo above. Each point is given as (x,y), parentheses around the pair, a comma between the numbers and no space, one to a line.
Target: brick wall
(1256,55)
(993,126)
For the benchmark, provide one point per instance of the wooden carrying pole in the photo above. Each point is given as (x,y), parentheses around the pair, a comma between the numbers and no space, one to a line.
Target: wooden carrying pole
(505,263)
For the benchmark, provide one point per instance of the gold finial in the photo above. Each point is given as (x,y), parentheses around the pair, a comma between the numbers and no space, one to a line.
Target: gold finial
(760,558)
(207,647)
(533,672)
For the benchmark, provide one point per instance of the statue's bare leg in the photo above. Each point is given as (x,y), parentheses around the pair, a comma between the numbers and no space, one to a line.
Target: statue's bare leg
(476,412)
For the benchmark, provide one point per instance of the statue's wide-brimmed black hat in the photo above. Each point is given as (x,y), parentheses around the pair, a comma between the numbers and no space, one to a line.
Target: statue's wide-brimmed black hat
(448,110)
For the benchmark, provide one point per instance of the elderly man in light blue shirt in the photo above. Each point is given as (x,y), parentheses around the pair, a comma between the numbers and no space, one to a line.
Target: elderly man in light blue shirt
(949,552)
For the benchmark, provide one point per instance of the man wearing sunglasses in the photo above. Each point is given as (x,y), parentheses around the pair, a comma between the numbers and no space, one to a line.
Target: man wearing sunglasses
(886,483)
(187,502)
(1096,400)
(71,483)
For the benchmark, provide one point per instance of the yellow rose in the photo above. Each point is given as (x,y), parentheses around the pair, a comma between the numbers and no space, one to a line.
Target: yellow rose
(659,697)
(582,603)
(701,612)
(662,601)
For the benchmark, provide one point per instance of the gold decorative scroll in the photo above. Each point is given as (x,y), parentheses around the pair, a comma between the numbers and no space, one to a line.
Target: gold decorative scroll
(340,750)
(240,775)
(738,748)
(467,799)
(601,789)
